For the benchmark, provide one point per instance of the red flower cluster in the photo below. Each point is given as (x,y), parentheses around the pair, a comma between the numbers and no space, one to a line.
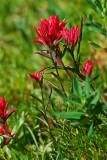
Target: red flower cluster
(71,36)
(50,31)
(3,108)
(3,118)
(87,68)
(36,76)
(8,132)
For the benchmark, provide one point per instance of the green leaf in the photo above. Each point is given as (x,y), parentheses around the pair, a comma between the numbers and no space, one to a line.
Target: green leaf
(41,120)
(13,155)
(51,83)
(93,93)
(46,147)
(95,27)
(96,98)
(105,4)
(55,76)
(20,154)
(47,102)
(91,5)
(6,136)
(70,115)
(77,87)
(33,136)
(97,46)
(95,5)
(99,108)
(33,97)
(98,6)
(18,124)
(65,98)
(90,129)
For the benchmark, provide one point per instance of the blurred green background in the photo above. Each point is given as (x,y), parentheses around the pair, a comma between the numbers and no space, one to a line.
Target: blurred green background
(17,57)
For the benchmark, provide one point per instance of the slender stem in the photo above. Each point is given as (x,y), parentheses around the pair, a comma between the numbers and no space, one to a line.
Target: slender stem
(43,100)
(45,112)
(57,73)
(19,144)
(15,139)
(80,37)
(66,70)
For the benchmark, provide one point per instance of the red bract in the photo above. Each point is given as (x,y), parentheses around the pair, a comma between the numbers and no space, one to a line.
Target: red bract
(87,68)
(71,36)
(36,76)
(3,108)
(6,132)
(50,31)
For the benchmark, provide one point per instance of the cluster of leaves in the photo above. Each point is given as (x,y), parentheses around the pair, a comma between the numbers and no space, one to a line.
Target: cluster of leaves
(101,26)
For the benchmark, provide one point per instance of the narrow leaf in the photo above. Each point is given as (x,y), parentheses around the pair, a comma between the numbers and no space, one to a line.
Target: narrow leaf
(96,98)
(90,129)
(46,149)
(70,115)
(77,87)
(33,136)
(65,98)
(55,75)
(20,154)
(95,5)
(97,46)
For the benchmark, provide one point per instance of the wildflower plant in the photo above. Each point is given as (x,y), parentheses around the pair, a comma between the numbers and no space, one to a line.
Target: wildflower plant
(81,103)
(69,117)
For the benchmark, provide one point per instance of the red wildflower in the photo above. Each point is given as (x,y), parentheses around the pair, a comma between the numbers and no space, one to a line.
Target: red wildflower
(71,36)
(36,76)
(3,108)
(6,132)
(87,68)
(50,31)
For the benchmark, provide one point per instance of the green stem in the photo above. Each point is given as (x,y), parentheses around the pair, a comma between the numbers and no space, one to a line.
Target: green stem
(45,112)
(80,37)
(66,69)
(57,73)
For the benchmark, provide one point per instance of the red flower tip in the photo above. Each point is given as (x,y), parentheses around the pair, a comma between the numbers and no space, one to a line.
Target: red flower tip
(71,36)
(3,108)
(36,76)
(87,68)
(9,113)
(50,31)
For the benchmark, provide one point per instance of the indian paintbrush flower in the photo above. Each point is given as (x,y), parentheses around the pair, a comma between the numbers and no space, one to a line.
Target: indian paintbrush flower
(71,36)
(37,76)
(3,108)
(50,31)
(4,129)
(87,68)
